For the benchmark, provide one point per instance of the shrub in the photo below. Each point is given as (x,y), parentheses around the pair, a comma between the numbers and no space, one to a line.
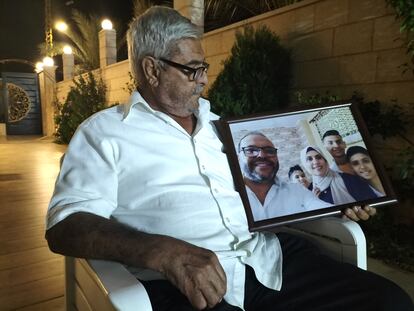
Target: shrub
(86,97)
(255,78)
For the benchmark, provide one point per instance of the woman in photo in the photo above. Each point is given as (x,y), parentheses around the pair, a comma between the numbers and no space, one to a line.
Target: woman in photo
(335,188)
(362,164)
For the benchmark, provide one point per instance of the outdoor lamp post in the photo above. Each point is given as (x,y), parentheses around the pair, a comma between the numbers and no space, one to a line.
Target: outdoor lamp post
(107,44)
(68,61)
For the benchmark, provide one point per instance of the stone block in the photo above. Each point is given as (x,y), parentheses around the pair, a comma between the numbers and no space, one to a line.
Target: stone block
(330,13)
(358,69)
(387,33)
(180,4)
(366,9)
(281,24)
(304,18)
(228,38)
(354,38)
(2,129)
(316,73)
(213,44)
(315,45)
(390,66)
(401,92)
(216,64)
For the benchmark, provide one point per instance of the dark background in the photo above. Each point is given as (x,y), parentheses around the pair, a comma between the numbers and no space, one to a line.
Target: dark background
(22,24)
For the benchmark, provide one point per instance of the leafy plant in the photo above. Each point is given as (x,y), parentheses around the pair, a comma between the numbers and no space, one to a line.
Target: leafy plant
(85,98)
(405,12)
(255,78)
(131,85)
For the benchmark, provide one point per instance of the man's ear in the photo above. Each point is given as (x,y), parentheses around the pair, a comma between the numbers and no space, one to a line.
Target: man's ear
(151,70)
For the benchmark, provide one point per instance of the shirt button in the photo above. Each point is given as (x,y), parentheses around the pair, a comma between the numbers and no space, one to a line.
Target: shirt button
(215,190)
(195,140)
(227,219)
(203,167)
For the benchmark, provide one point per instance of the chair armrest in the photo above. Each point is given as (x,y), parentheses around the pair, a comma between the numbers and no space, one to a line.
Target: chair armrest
(336,237)
(103,285)
(124,290)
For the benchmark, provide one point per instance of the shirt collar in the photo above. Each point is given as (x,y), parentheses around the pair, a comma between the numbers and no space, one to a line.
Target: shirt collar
(134,99)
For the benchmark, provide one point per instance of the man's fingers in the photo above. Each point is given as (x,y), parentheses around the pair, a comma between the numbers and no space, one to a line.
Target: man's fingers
(205,290)
(370,210)
(197,300)
(357,213)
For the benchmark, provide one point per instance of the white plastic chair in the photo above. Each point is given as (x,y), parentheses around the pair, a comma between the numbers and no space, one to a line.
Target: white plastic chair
(105,285)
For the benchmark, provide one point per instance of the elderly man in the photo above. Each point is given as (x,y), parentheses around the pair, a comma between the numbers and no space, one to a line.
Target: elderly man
(268,196)
(336,146)
(146,184)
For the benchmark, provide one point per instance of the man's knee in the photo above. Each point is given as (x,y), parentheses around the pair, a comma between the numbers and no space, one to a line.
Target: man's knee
(392,297)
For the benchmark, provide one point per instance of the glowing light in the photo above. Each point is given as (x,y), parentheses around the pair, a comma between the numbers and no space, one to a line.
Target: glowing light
(61,26)
(67,49)
(48,61)
(39,67)
(106,24)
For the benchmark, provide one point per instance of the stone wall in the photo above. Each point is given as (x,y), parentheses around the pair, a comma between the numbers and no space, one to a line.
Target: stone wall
(339,46)
(116,78)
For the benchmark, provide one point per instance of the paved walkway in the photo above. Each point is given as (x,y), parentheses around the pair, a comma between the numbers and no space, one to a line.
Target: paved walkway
(28,168)
(31,277)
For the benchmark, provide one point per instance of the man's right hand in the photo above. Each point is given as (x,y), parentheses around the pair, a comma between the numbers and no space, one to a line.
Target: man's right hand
(195,271)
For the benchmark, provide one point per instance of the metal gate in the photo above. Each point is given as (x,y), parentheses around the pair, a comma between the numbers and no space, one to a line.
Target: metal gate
(20,104)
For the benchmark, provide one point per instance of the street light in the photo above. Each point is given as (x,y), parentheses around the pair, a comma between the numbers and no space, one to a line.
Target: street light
(67,49)
(48,61)
(106,24)
(61,26)
(39,67)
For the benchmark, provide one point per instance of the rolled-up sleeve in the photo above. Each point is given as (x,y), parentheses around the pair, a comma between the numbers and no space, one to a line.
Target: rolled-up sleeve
(88,179)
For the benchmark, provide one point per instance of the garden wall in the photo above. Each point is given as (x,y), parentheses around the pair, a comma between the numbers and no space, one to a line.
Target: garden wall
(337,45)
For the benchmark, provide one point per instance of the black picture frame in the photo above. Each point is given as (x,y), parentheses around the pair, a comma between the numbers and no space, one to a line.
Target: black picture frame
(290,131)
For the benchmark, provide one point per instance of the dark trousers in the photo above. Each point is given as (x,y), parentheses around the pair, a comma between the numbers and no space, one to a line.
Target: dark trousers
(311,281)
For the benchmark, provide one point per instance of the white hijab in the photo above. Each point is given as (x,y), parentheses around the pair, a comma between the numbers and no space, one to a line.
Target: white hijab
(331,179)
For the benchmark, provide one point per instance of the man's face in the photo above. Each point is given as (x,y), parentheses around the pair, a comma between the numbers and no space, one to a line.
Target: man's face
(335,145)
(176,94)
(263,167)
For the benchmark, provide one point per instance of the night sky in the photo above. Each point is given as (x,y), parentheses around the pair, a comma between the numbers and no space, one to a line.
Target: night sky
(22,24)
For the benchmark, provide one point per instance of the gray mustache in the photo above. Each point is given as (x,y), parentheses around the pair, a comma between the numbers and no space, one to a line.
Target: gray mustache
(198,89)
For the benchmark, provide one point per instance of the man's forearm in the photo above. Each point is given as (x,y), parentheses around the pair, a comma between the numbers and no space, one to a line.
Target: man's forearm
(195,271)
(87,235)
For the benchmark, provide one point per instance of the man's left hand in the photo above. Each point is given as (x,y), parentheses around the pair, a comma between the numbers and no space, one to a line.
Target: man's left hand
(357,213)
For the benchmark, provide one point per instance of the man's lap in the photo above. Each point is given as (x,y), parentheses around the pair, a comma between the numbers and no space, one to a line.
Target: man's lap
(311,281)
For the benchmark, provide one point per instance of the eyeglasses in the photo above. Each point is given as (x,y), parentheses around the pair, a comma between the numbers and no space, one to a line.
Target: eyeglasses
(254,151)
(192,73)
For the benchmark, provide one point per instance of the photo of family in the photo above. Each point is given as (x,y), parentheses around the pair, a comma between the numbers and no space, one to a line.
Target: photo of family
(304,161)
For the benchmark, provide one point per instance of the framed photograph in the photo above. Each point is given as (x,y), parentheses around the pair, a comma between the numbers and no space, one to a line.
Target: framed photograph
(299,165)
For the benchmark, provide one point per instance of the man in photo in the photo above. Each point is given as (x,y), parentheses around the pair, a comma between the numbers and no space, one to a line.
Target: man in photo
(336,146)
(268,196)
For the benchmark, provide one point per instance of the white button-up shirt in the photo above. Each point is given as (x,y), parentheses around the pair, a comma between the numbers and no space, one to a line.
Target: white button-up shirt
(139,166)
(284,199)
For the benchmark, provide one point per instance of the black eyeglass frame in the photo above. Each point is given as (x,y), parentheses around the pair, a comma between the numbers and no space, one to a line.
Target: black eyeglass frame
(264,149)
(193,73)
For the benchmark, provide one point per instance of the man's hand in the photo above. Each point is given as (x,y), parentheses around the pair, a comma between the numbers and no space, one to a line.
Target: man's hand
(357,213)
(195,271)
